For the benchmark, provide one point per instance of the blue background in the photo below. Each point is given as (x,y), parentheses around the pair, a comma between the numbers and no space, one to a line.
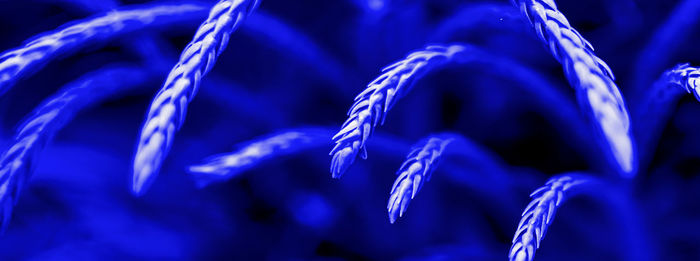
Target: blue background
(78,205)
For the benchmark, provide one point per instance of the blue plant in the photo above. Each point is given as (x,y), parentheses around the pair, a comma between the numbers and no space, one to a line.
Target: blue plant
(590,76)
(30,57)
(168,109)
(653,108)
(379,97)
(229,165)
(539,214)
(686,77)
(18,161)
(295,64)
(422,161)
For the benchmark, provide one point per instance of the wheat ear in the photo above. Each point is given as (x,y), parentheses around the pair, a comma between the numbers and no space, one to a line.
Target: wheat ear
(424,158)
(416,170)
(686,77)
(654,105)
(373,103)
(229,165)
(145,45)
(376,100)
(539,214)
(590,76)
(34,54)
(18,161)
(168,109)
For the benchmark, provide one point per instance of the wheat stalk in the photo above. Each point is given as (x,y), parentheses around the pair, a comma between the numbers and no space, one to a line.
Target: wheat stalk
(229,165)
(142,44)
(539,214)
(238,100)
(664,43)
(477,15)
(590,76)
(18,161)
(653,107)
(168,109)
(270,30)
(34,54)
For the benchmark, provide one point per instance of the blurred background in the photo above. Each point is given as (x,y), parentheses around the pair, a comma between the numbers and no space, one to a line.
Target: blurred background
(301,63)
